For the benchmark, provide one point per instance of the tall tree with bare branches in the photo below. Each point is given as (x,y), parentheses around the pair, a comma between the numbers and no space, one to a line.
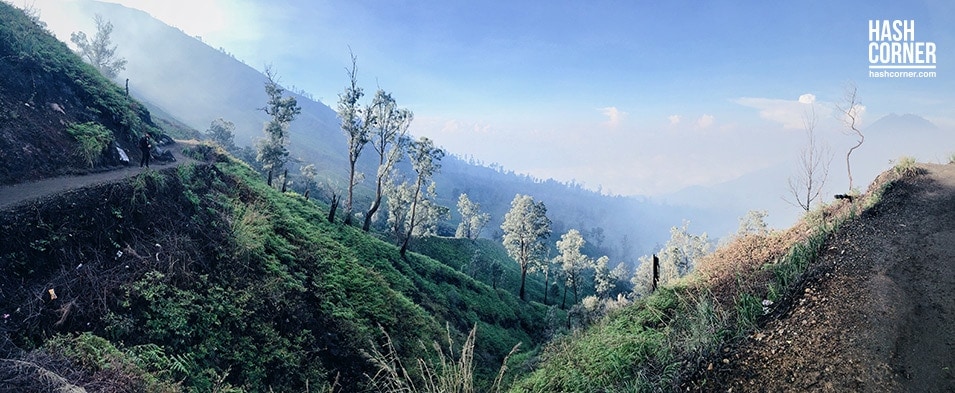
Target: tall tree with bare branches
(355,127)
(851,111)
(813,171)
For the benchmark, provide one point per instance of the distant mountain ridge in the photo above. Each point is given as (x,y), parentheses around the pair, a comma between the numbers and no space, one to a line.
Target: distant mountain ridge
(195,83)
(908,122)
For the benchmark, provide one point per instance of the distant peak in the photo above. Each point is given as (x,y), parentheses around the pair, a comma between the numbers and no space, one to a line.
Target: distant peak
(908,121)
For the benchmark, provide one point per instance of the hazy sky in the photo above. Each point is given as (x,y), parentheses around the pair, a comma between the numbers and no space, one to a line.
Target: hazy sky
(636,97)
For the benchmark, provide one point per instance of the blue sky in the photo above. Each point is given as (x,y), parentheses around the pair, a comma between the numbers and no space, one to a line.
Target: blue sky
(635,97)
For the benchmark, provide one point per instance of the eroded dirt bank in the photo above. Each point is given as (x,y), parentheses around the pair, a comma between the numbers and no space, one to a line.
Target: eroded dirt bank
(876,312)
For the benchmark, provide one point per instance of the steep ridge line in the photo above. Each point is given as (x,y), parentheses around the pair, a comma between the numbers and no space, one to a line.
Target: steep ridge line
(874,313)
(17,194)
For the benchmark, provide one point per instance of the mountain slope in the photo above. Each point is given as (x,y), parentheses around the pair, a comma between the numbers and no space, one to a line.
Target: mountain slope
(45,90)
(199,277)
(874,313)
(855,297)
(234,281)
(197,84)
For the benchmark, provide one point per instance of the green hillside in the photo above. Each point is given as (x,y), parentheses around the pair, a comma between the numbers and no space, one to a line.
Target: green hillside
(208,267)
(46,92)
(484,260)
(200,277)
(671,339)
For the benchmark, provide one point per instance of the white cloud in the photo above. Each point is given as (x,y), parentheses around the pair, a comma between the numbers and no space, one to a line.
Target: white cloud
(859,111)
(789,113)
(705,121)
(614,116)
(674,119)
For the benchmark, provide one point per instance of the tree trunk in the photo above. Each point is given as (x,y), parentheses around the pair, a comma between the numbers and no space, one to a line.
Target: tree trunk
(306,194)
(848,168)
(546,284)
(563,300)
(371,213)
(523,278)
(333,208)
(656,274)
(284,181)
(351,188)
(269,182)
(377,203)
(414,213)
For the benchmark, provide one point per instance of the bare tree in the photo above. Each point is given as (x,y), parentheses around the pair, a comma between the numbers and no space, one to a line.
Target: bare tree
(851,111)
(355,128)
(813,171)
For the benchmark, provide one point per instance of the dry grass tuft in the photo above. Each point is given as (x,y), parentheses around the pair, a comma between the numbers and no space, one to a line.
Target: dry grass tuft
(737,267)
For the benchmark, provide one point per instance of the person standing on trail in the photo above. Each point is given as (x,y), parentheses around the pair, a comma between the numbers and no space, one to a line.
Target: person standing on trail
(144,147)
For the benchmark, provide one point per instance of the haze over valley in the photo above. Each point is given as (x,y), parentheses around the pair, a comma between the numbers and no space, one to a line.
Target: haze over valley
(707,154)
(495,196)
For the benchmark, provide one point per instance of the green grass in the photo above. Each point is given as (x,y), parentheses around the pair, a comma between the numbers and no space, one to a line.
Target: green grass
(905,166)
(626,350)
(38,63)
(477,259)
(451,369)
(93,139)
(144,368)
(657,341)
(249,287)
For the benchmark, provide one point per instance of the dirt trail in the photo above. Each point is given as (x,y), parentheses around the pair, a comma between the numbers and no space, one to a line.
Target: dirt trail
(16,194)
(876,312)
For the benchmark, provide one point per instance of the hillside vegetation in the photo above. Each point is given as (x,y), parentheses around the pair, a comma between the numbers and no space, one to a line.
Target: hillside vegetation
(197,84)
(232,283)
(672,339)
(200,277)
(53,106)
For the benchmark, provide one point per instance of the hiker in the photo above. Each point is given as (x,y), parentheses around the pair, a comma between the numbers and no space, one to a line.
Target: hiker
(144,147)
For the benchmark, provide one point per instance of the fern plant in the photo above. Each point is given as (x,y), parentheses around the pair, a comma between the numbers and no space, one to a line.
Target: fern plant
(93,139)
